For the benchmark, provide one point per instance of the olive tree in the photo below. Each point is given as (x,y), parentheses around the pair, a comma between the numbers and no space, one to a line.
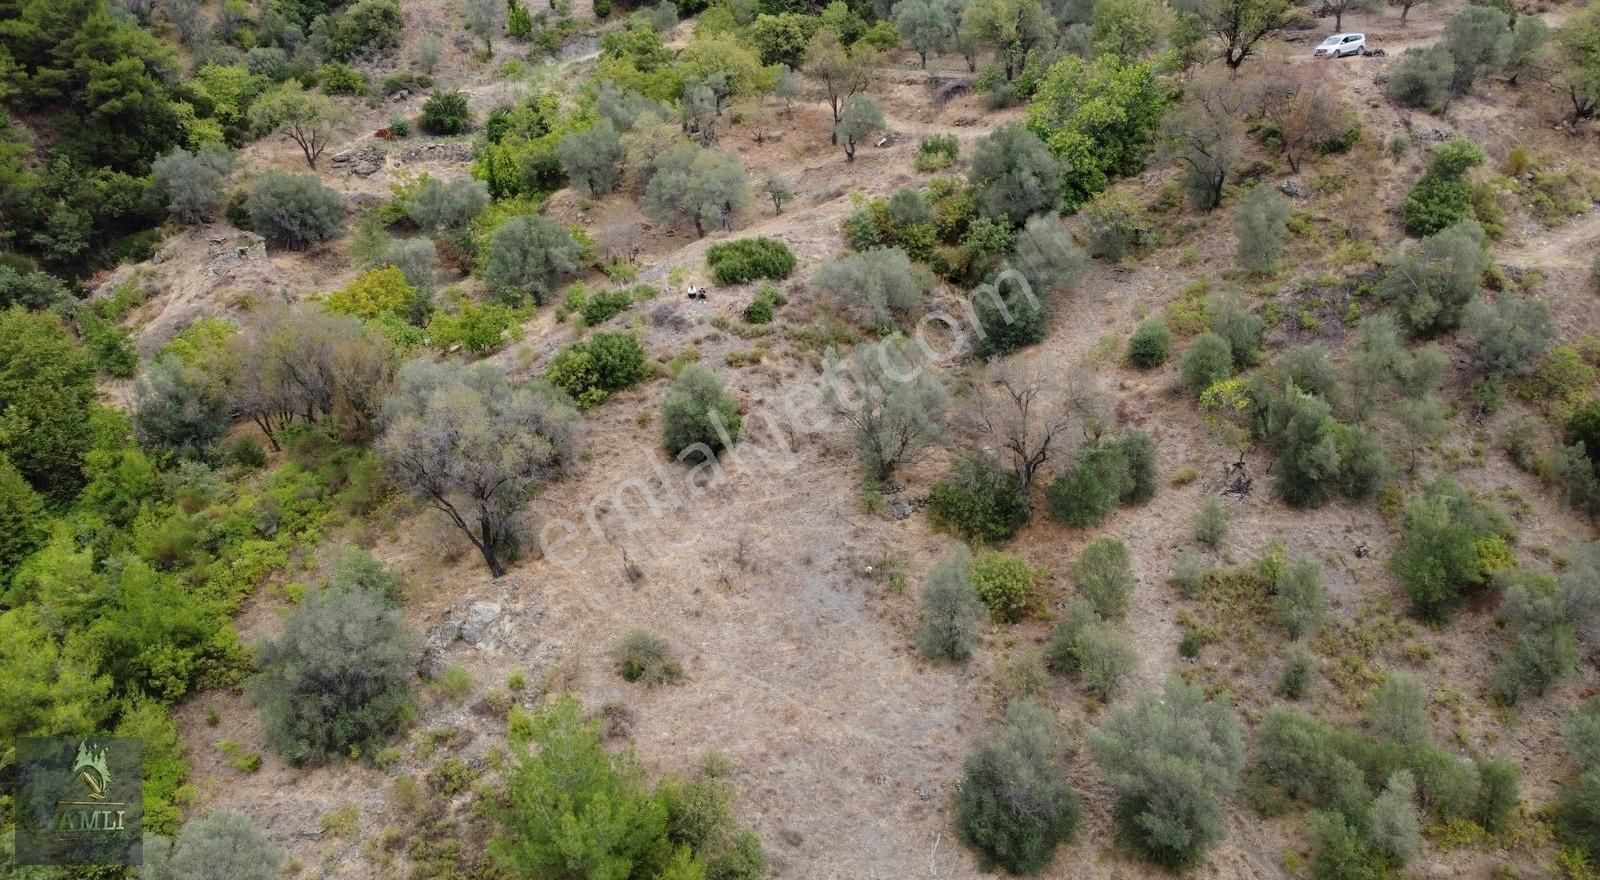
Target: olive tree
(1241,25)
(1014,174)
(337,679)
(951,610)
(1432,284)
(1203,135)
(592,157)
(1261,225)
(467,442)
(1047,256)
(858,119)
(191,183)
(222,844)
(838,71)
(891,397)
(294,210)
(447,205)
(928,25)
(310,119)
(1509,336)
(1171,758)
(528,257)
(883,282)
(698,414)
(1014,805)
(704,186)
(176,411)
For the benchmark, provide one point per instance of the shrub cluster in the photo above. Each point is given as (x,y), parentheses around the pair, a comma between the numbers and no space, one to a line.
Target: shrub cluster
(1013,805)
(1004,583)
(1092,650)
(979,500)
(747,259)
(593,369)
(1105,474)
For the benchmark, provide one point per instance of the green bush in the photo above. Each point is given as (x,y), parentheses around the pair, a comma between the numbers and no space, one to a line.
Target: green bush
(979,500)
(1441,198)
(1150,344)
(1139,451)
(1172,758)
(1233,320)
(1340,850)
(950,611)
(446,113)
(698,410)
(1103,574)
(1299,600)
(336,682)
(1094,651)
(294,210)
(1211,523)
(1449,544)
(646,658)
(1085,494)
(1004,583)
(220,844)
(1209,360)
(593,369)
(765,303)
(937,152)
(599,307)
(1299,671)
(747,259)
(342,79)
(1013,805)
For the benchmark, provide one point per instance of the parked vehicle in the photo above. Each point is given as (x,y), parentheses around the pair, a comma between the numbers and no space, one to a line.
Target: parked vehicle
(1340,45)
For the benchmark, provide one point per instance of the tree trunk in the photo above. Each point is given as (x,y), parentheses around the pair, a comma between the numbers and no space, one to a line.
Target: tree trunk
(491,556)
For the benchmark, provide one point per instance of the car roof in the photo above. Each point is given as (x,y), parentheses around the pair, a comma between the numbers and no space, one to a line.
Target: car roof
(1339,36)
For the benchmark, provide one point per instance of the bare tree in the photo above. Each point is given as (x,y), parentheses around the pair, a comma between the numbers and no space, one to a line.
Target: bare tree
(1303,107)
(301,364)
(1027,418)
(892,398)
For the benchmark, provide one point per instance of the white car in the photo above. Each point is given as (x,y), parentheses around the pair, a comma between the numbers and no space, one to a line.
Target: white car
(1340,45)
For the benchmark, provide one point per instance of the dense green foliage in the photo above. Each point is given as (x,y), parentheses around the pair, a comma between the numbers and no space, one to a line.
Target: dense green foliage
(1451,544)
(1441,197)
(1004,583)
(1013,804)
(1099,118)
(698,414)
(979,500)
(573,809)
(1171,758)
(591,370)
(747,259)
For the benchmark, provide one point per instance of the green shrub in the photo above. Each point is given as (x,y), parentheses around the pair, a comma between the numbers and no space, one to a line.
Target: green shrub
(478,327)
(593,369)
(1189,572)
(1340,850)
(937,152)
(1004,583)
(646,658)
(1139,450)
(446,113)
(1299,671)
(1441,198)
(220,844)
(1446,547)
(1172,758)
(1209,360)
(1150,344)
(698,410)
(746,259)
(950,611)
(1233,320)
(1104,575)
(1398,712)
(598,307)
(1013,805)
(1211,523)
(765,303)
(294,211)
(979,500)
(1094,651)
(1299,600)
(335,683)
(341,79)
(1085,494)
